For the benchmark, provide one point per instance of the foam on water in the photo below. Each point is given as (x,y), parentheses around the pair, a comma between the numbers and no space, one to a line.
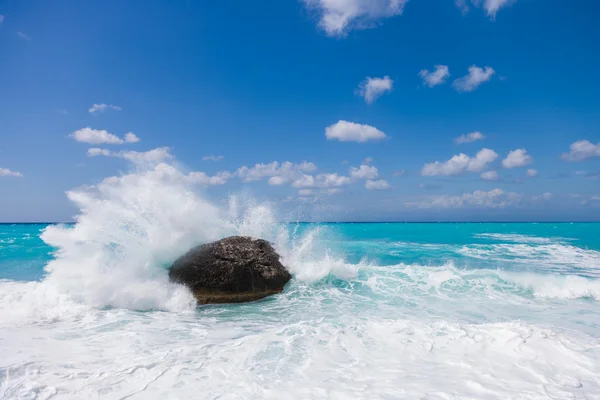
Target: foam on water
(106,323)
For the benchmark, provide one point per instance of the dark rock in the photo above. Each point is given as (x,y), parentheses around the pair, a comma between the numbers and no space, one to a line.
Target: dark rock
(232,270)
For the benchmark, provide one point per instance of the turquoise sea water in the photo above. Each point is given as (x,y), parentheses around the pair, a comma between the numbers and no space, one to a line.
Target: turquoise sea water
(375,310)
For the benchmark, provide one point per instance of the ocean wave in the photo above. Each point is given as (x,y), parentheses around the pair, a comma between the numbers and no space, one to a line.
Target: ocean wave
(517,238)
(552,257)
(448,280)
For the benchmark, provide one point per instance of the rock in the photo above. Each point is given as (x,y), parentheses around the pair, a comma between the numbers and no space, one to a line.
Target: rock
(232,270)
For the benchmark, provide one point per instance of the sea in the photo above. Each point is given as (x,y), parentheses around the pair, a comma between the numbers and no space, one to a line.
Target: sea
(373,311)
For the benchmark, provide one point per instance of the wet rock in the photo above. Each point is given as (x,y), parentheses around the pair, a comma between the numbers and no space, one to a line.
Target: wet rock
(232,270)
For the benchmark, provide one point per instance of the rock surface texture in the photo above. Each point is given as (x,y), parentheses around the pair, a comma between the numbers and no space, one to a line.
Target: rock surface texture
(232,270)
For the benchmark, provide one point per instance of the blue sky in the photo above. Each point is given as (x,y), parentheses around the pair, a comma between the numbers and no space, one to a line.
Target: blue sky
(324,85)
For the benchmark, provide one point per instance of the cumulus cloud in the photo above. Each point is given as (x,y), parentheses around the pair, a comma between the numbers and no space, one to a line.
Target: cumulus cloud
(517,158)
(582,150)
(496,198)
(8,172)
(212,158)
(202,178)
(435,77)
(153,156)
(279,173)
(99,136)
(364,172)
(531,173)
(373,88)
(321,181)
(338,17)
(380,184)
(460,163)
(94,152)
(99,108)
(469,138)
(130,137)
(489,176)
(545,196)
(345,131)
(473,79)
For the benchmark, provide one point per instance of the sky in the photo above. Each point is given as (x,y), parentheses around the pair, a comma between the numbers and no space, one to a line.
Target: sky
(348,110)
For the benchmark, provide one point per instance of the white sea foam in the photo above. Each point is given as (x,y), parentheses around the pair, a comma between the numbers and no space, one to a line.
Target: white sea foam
(117,355)
(552,257)
(514,237)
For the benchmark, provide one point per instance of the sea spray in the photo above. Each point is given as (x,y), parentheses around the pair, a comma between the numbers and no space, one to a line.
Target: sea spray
(131,227)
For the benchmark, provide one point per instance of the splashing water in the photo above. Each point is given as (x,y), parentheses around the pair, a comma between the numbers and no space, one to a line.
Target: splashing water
(130,229)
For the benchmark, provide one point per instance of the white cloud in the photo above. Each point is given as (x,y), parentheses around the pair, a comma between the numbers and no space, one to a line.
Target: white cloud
(8,172)
(94,152)
(151,156)
(481,160)
(99,108)
(436,77)
(212,158)
(95,136)
(491,7)
(280,173)
(140,157)
(545,196)
(345,131)
(305,192)
(130,137)
(496,198)
(489,176)
(23,36)
(373,88)
(460,163)
(531,173)
(202,178)
(399,173)
(380,184)
(368,160)
(517,158)
(364,172)
(582,150)
(321,181)
(473,79)
(338,17)
(99,136)
(277,180)
(1,18)
(469,137)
